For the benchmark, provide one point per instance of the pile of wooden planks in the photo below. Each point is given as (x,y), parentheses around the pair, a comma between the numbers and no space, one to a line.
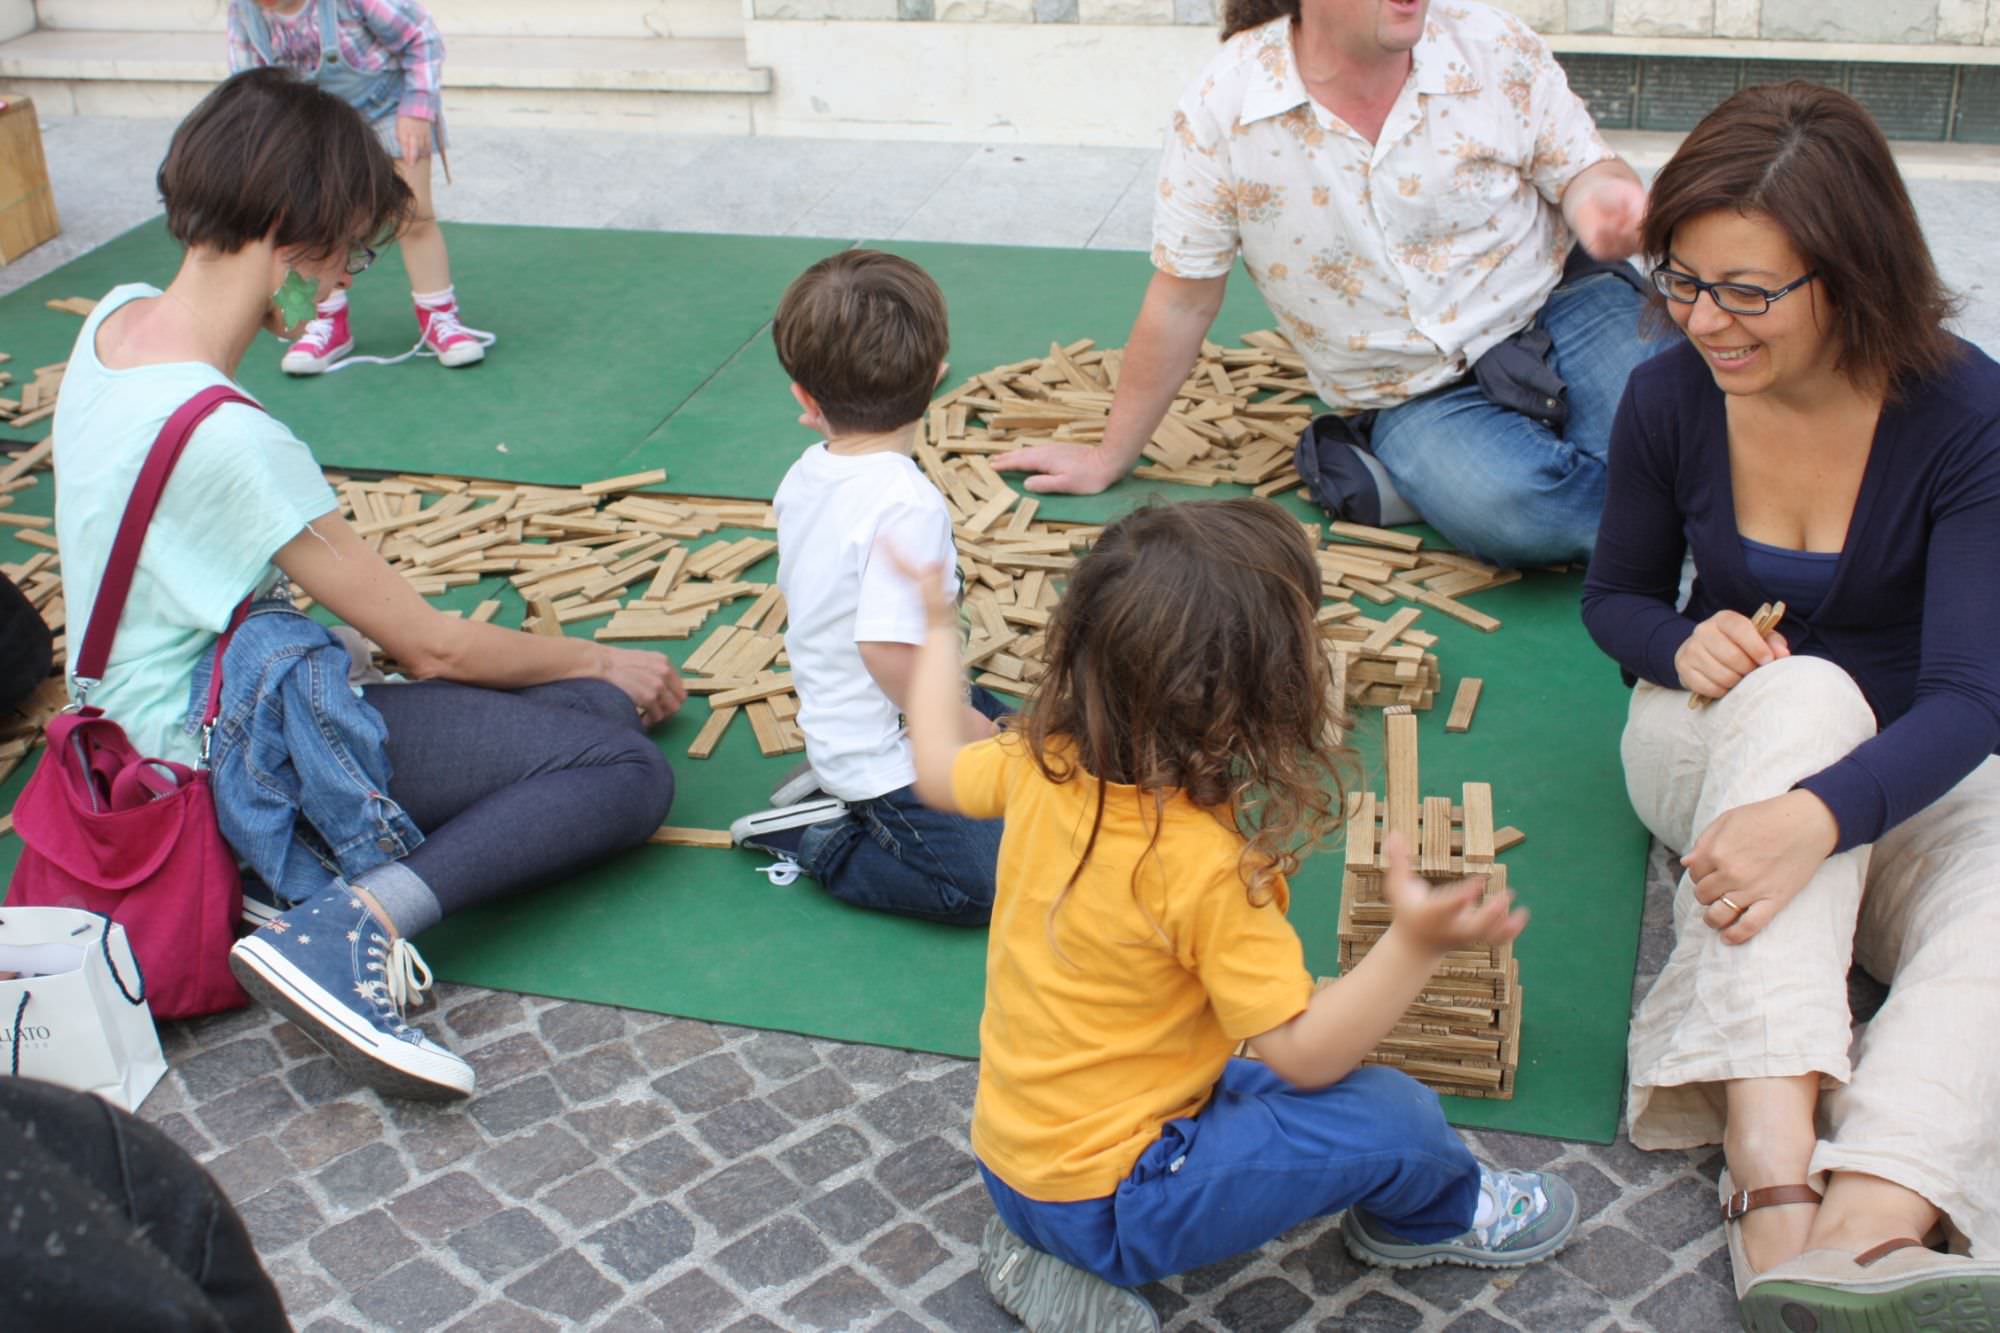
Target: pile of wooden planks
(1463,1034)
(37,397)
(1236,419)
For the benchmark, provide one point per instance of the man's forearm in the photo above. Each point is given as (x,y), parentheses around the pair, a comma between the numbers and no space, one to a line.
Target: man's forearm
(1165,342)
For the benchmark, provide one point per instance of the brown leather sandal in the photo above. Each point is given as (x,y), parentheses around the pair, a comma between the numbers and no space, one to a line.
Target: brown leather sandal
(1735,1203)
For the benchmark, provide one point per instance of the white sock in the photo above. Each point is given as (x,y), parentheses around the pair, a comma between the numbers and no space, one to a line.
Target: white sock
(437,300)
(333,305)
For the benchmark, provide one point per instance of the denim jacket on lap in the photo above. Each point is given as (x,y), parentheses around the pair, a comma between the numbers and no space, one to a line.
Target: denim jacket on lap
(298,762)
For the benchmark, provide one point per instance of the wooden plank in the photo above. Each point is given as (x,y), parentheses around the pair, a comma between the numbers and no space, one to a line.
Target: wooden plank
(1391,630)
(1457,610)
(27,462)
(763,689)
(1508,837)
(1434,847)
(711,731)
(670,835)
(630,482)
(668,574)
(764,723)
(1399,752)
(1361,532)
(485,611)
(1479,839)
(714,644)
(1463,703)
(548,622)
(1361,831)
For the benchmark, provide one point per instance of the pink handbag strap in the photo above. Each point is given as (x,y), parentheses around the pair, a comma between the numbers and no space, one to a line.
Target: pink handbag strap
(124,562)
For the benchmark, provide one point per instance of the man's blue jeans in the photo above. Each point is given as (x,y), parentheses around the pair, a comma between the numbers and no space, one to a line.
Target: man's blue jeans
(892,853)
(1260,1158)
(1504,486)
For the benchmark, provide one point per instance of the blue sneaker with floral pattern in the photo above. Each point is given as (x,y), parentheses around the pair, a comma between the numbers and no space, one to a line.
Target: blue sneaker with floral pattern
(345,979)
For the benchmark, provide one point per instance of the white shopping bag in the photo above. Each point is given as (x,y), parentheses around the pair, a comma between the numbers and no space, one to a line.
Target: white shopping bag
(73,1005)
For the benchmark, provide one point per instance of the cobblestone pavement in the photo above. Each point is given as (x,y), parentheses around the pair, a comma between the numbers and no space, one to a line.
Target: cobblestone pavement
(625,1171)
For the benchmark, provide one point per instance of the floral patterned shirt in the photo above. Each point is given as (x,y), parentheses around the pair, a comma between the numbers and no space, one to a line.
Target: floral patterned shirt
(1393,265)
(375,35)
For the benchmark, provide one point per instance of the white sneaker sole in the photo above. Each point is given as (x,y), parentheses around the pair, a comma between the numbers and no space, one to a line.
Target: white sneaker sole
(258,915)
(382,1062)
(786,817)
(297,363)
(465,354)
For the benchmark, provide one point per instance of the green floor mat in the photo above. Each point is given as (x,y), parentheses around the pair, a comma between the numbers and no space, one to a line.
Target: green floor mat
(1007,304)
(603,334)
(699,932)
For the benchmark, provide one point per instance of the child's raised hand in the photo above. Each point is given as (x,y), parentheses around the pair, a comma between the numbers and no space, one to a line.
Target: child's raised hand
(1451,917)
(939,610)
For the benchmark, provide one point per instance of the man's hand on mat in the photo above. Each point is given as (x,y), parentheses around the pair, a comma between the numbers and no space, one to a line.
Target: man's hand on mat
(1723,650)
(648,679)
(1451,916)
(1070,469)
(1758,856)
(413,137)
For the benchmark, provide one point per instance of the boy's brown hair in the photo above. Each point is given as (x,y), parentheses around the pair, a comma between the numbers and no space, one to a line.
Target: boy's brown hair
(267,154)
(864,333)
(1814,161)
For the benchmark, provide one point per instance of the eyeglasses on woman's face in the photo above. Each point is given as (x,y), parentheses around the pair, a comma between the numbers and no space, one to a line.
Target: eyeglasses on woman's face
(358,260)
(1738,298)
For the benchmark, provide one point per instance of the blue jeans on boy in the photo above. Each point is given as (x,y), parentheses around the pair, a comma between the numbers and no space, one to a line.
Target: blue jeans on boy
(894,854)
(1260,1158)
(1504,486)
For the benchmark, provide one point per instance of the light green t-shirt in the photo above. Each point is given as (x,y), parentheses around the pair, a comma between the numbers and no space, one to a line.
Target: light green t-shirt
(243,488)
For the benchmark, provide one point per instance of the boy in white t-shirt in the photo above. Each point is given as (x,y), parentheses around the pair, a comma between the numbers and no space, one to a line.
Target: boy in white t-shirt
(863,336)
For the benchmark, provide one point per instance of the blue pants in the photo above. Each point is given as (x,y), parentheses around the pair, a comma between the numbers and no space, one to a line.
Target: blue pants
(1260,1158)
(515,788)
(892,853)
(1504,486)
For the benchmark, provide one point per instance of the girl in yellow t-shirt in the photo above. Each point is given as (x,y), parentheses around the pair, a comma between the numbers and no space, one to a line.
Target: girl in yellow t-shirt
(1180,754)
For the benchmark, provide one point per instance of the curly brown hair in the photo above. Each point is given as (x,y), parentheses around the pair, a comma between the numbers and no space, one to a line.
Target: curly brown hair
(1185,657)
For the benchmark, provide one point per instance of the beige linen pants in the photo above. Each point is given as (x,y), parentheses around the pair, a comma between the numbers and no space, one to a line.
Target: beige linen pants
(1912,1096)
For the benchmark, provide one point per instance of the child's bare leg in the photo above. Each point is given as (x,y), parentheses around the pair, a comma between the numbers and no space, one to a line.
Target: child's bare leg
(424,257)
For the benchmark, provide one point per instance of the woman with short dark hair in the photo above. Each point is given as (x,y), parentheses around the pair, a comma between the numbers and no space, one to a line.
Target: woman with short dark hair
(368,813)
(1820,440)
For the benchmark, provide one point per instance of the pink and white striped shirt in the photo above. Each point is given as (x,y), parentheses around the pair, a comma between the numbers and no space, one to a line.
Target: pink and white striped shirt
(375,35)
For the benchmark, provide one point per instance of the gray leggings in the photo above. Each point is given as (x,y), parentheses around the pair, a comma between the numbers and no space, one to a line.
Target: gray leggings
(516,788)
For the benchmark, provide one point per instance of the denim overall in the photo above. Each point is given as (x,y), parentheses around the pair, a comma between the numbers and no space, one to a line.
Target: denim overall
(373,95)
(298,762)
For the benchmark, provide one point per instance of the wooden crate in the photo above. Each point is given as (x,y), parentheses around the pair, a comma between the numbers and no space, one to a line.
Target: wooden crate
(27,205)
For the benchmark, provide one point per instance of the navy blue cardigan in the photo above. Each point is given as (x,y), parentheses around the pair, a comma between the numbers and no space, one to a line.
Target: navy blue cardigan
(1914,611)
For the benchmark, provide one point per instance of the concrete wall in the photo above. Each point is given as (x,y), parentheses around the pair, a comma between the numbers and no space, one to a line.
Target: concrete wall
(16,17)
(1911,23)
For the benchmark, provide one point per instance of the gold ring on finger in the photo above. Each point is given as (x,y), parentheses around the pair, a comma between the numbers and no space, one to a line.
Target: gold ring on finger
(1730,903)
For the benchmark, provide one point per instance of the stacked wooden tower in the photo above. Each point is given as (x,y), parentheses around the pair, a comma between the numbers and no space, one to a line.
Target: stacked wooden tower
(1463,1035)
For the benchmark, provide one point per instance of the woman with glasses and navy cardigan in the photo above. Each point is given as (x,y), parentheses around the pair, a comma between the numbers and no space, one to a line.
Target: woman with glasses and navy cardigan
(1820,440)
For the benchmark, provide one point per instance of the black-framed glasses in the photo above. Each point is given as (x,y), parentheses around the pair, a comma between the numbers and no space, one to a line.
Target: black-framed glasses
(358,260)
(1738,298)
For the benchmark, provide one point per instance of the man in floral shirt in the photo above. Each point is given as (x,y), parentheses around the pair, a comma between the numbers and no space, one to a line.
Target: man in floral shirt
(1404,182)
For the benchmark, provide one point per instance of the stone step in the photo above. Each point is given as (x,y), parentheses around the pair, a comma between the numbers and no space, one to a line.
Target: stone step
(646,85)
(455,18)
(589,63)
